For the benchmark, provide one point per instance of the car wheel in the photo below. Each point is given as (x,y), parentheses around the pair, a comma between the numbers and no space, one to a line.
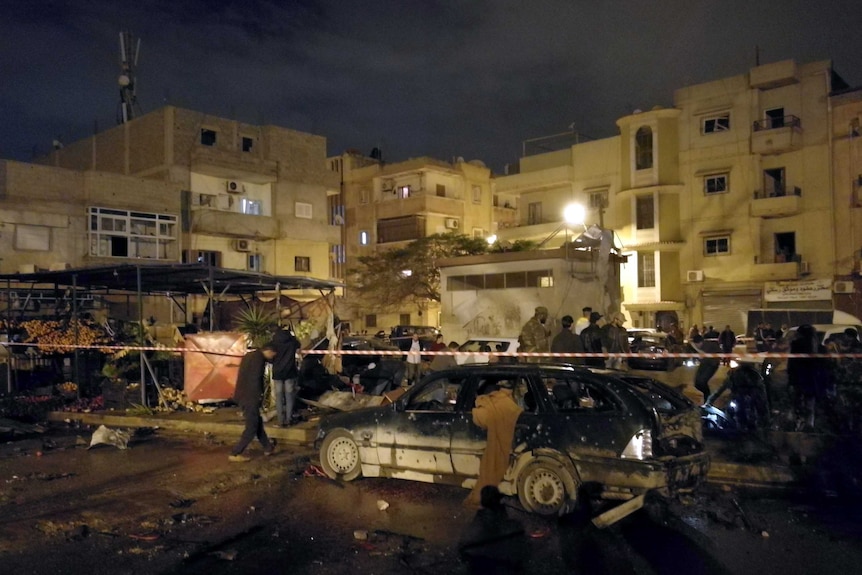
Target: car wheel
(542,487)
(339,456)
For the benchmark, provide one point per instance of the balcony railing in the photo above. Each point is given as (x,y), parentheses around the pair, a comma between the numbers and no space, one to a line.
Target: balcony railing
(778,192)
(780,122)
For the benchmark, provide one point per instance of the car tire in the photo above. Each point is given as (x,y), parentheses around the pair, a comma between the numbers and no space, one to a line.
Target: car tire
(339,456)
(546,488)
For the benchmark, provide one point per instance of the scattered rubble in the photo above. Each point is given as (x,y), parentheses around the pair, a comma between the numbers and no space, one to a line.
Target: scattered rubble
(115,437)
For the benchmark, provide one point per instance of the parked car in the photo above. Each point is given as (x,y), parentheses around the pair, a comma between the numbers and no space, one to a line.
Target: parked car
(653,348)
(480,349)
(401,336)
(627,433)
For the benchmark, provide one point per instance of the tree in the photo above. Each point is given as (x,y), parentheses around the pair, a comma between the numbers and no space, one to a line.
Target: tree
(409,275)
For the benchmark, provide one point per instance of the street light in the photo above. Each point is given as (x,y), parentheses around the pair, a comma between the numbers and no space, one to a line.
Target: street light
(574,214)
(492,239)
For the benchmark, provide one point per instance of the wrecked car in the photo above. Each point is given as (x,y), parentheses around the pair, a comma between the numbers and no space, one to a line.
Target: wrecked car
(629,434)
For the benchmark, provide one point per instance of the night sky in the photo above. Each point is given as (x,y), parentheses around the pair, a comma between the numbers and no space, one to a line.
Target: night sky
(415,77)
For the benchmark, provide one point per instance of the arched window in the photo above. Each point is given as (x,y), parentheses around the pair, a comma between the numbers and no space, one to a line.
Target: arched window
(643,148)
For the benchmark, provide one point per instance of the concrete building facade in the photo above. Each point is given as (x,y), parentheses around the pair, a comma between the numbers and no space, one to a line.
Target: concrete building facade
(388,205)
(249,197)
(727,202)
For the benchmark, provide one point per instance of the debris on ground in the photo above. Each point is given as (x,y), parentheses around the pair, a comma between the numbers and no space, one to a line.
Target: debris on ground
(115,437)
(17,428)
(382,504)
(225,555)
(182,503)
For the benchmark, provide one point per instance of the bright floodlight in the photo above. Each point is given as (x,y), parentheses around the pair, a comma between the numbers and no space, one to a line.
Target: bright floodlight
(492,239)
(574,214)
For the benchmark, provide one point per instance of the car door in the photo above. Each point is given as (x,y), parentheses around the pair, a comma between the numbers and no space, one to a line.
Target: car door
(468,439)
(416,434)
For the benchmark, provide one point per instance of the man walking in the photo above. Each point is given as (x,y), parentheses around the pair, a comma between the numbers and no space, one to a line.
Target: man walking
(567,342)
(249,396)
(726,339)
(284,374)
(534,337)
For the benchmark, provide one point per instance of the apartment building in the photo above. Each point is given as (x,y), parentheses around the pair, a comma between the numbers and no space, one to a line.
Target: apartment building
(725,202)
(248,197)
(389,205)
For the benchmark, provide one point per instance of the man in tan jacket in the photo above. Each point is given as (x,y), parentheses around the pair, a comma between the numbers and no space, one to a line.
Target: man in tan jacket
(496,412)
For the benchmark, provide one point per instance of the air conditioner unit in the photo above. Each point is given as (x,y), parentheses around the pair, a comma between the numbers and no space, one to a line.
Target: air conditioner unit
(694,275)
(233,187)
(242,245)
(804,268)
(452,223)
(843,287)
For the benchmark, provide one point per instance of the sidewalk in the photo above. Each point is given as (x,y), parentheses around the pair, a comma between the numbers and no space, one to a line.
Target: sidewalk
(223,421)
(764,471)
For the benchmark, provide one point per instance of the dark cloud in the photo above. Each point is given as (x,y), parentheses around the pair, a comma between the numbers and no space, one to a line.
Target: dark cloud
(438,78)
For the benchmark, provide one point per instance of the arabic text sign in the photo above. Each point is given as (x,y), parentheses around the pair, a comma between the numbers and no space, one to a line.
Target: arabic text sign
(798,291)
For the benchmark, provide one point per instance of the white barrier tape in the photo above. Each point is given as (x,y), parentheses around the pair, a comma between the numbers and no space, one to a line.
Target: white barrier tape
(762,355)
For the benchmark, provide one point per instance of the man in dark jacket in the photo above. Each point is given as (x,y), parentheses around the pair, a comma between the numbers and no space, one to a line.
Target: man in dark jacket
(591,337)
(249,396)
(567,342)
(284,374)
(726,339)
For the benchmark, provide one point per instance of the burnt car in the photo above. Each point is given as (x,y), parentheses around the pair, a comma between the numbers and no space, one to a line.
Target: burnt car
(653,349)
(627,433)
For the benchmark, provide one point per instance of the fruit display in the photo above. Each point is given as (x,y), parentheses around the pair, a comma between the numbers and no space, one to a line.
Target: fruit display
(54,336)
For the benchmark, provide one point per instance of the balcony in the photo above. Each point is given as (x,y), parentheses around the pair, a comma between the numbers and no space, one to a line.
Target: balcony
(419,202)
(235,225)
(778,202)
(536,181)
(776,135)
(776,271)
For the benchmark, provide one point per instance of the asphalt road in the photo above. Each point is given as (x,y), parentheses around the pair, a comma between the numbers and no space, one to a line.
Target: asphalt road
(174,504)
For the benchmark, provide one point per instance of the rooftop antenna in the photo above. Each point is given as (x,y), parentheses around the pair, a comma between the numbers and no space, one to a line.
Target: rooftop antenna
(129,49)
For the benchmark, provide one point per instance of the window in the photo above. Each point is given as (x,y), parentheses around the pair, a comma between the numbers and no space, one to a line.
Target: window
(773,183)
(251,207)
(717,123)
(336,210)
(208,137)
(254,263)
(33,238)
(302,264)
(337,258)
(440,395)
(477,194)
(303,210)
(523,279)
(371,320)
(643,148)
(785,247)
(126,234)
(646,269)
(441,190)
(645,212)
(247,143)
(478,233)
(363,238)
(404,319)
(540,279)
(716,246)
(575,395)
(715,184)
(403,192)
(598,200)
(534,213)
(774,118)
(206,257)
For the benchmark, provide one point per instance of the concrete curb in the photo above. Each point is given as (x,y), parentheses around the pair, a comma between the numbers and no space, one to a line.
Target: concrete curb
(300,434)
(726,472)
